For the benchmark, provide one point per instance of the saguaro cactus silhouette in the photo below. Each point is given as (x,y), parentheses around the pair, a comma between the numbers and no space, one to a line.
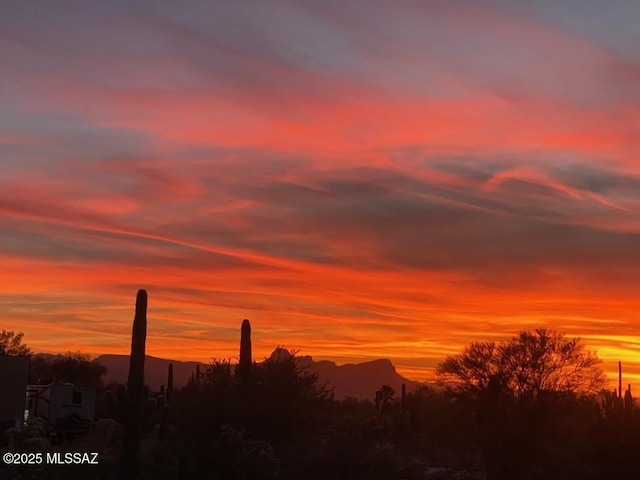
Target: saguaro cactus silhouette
(628,401)
(403,397)
(245,349)
(129,465)
(170,383)
(620,379)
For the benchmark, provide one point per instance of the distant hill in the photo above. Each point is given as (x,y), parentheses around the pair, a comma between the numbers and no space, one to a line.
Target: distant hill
(155,370)
(360,380)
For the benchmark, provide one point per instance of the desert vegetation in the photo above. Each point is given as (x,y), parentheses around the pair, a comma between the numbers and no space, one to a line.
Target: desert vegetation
(536,406)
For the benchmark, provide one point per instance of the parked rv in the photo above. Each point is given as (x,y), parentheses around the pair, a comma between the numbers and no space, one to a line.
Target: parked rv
(65,408)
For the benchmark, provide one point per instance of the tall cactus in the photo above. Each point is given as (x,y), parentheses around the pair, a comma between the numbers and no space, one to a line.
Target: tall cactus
(130,459)
(628,401)
(170,382)
(245,349)
(619,379)
(403,397)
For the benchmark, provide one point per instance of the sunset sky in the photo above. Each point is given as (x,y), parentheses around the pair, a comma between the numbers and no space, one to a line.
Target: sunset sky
(360,179)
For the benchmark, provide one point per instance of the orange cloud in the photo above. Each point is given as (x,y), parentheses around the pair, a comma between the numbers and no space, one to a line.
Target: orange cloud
(355,188)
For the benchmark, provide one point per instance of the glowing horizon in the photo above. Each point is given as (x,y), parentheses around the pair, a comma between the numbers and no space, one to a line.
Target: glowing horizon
(373,180)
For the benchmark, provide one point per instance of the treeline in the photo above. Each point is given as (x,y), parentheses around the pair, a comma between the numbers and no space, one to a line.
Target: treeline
(71,367)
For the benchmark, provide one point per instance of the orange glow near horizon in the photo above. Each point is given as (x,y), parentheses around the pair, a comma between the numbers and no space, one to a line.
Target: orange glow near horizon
(361,195)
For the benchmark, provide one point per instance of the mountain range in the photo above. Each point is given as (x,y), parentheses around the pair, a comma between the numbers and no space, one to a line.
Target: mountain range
(360,380)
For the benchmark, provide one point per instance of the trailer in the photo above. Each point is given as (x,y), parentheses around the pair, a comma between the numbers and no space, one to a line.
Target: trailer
(65,408)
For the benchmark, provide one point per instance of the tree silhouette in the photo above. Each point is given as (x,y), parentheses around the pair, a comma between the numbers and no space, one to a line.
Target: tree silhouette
(11,344)
(530,408)
(529,363)
(474,367)
(72,367)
